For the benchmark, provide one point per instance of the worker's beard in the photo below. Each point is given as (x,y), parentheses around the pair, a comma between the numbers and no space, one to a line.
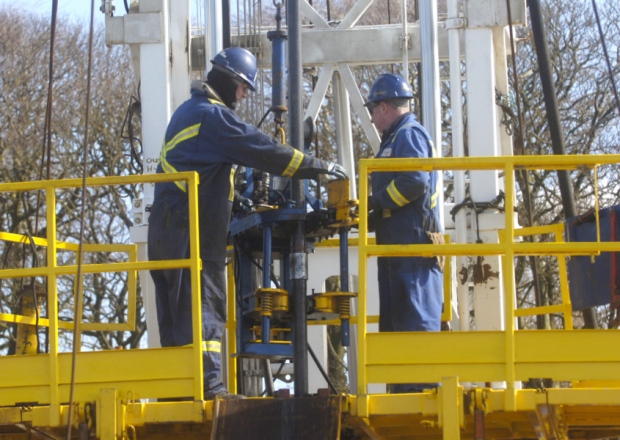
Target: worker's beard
(225,86)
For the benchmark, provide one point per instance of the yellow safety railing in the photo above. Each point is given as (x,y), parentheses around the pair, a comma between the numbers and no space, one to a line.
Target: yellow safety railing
(481,356)
(140,373)
(565,306)
(132,256)
(509,355)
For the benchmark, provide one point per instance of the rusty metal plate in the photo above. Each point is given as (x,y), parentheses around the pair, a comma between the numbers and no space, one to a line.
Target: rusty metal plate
(301,418)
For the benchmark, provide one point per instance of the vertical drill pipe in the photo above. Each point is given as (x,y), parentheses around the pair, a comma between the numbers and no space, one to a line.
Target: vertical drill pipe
(266,319)
(298,256)
(344,280)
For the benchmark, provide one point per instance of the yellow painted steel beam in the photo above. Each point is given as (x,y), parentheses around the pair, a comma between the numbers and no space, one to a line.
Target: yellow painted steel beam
(557,229)
(370,319)
(96,268)
(519,249)
(446,313)
(195,266)
(68,325)
(394,404)
(543,310)
(481,356)
(34,415)
(52,310)
(188,176)
(335,242)
(132,291)
(415,416)
(451,411)
(88,247)
(445,347)
(358,405)
(597,416)
(108,425)
(508,268)
(231,328)
(362,302)
(145,373)
(530,399)
(596,384)
(412,416)
(559,162)
(144,413)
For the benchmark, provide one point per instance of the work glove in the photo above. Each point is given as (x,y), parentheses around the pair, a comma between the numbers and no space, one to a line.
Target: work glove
(241,205)
(337,171)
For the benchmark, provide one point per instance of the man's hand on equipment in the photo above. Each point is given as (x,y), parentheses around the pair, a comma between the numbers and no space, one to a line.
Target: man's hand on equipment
(241,205)
(337,171)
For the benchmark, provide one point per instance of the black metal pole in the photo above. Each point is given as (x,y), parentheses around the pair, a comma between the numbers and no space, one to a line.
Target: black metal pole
(299,258)
(225,25)
(553,117)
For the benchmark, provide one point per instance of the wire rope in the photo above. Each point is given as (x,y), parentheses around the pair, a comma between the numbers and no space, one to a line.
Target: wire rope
(45,152)
(80,275)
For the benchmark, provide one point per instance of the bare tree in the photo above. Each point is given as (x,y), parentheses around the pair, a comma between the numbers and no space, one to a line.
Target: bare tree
(589,118)
(24,62)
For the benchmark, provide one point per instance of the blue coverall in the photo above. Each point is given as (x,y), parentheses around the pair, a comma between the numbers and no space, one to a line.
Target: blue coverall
(405,208)
(207,137)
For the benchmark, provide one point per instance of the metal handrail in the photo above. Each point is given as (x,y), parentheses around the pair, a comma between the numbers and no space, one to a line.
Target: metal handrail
(54,361)
(479,356)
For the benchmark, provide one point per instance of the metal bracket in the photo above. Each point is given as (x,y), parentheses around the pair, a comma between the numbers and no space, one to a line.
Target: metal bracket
(107,7)
(406,38)
(455,23)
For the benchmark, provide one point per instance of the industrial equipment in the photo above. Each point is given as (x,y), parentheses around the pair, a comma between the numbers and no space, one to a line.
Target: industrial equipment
(496,379)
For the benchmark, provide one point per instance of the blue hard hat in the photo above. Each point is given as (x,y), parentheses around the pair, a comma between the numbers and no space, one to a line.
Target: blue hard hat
(389,86)
(237,62)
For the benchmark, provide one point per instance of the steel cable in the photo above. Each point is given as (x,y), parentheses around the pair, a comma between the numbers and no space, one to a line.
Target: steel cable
(80,257)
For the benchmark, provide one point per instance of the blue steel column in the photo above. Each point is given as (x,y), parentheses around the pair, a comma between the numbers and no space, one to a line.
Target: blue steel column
(299,258)
(266,320)
(344,280)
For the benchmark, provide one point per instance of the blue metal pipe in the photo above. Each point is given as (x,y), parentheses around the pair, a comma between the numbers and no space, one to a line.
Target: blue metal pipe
(266,320)
(344,280)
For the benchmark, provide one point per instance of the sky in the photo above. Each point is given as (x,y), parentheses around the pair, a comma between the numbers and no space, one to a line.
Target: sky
(78,10)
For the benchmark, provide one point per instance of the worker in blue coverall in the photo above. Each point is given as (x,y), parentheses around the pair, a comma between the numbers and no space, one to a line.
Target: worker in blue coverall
(404,210)
(206,135)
